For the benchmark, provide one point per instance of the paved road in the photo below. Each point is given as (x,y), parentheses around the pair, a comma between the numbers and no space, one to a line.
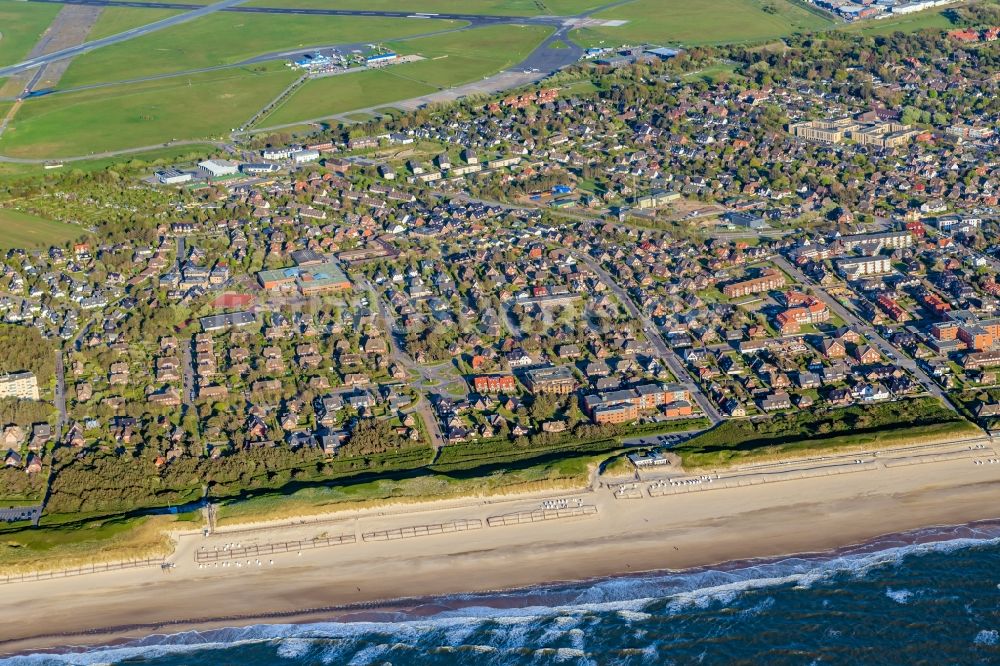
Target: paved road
(665,353)
(60,394)
(548,58)
(181,250)
(302,11)
(32,513)
(114,153)
(188,390)
(543,61)
(652,331)
(422,406)
(665,440)
(866,329)
(41,61)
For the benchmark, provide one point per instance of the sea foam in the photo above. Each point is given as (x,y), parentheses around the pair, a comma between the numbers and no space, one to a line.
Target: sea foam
(514,627)
(988,637)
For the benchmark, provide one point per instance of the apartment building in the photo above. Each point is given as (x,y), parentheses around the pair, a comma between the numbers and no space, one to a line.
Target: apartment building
(974,333)
(827,131)
(809,311)
(768,280)
(875,243)
(853,268)
(557,380)
(878,134)
(22,385)
(623,405)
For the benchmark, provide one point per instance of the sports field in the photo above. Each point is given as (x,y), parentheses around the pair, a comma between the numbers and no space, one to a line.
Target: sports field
(450,60)
(228,38)
(27,231)
(489,7)
(21,24)
(694,23)
(92,121)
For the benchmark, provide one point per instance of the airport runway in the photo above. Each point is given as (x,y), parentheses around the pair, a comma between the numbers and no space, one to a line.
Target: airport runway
(478,18)
(192,12)
(39,61)
(547,58)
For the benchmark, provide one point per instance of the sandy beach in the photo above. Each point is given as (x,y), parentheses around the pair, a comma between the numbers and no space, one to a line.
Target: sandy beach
(766,511)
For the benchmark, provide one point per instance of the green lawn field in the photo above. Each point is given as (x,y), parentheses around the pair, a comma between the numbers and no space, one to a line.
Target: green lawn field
(694,23)
(93,121)
(337,94)
(229,38)
(461,57)
(186,2)
(926,20)
(22,230)
(114,20)
(490,7)
(21,24)
(158,157)
(451,59)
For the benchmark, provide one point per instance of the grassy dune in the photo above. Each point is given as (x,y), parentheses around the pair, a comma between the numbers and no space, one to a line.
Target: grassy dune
(803,434)
(567,473)
(70,546)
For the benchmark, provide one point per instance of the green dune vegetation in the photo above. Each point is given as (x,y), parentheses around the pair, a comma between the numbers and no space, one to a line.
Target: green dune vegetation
(917,420)
(83,543)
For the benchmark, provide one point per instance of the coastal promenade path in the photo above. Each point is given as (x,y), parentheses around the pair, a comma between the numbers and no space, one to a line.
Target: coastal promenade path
(687,529)
(976,451)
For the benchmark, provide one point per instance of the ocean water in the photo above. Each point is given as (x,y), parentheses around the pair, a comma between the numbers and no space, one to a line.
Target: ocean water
(926,597)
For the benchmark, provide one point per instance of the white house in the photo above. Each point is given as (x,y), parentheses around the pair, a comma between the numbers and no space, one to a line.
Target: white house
(305,155)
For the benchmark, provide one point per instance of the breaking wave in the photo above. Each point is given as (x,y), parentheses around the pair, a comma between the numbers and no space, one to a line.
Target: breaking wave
(624,620)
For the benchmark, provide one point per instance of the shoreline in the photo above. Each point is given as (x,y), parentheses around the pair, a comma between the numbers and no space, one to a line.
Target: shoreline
(794,517)
(410,609)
